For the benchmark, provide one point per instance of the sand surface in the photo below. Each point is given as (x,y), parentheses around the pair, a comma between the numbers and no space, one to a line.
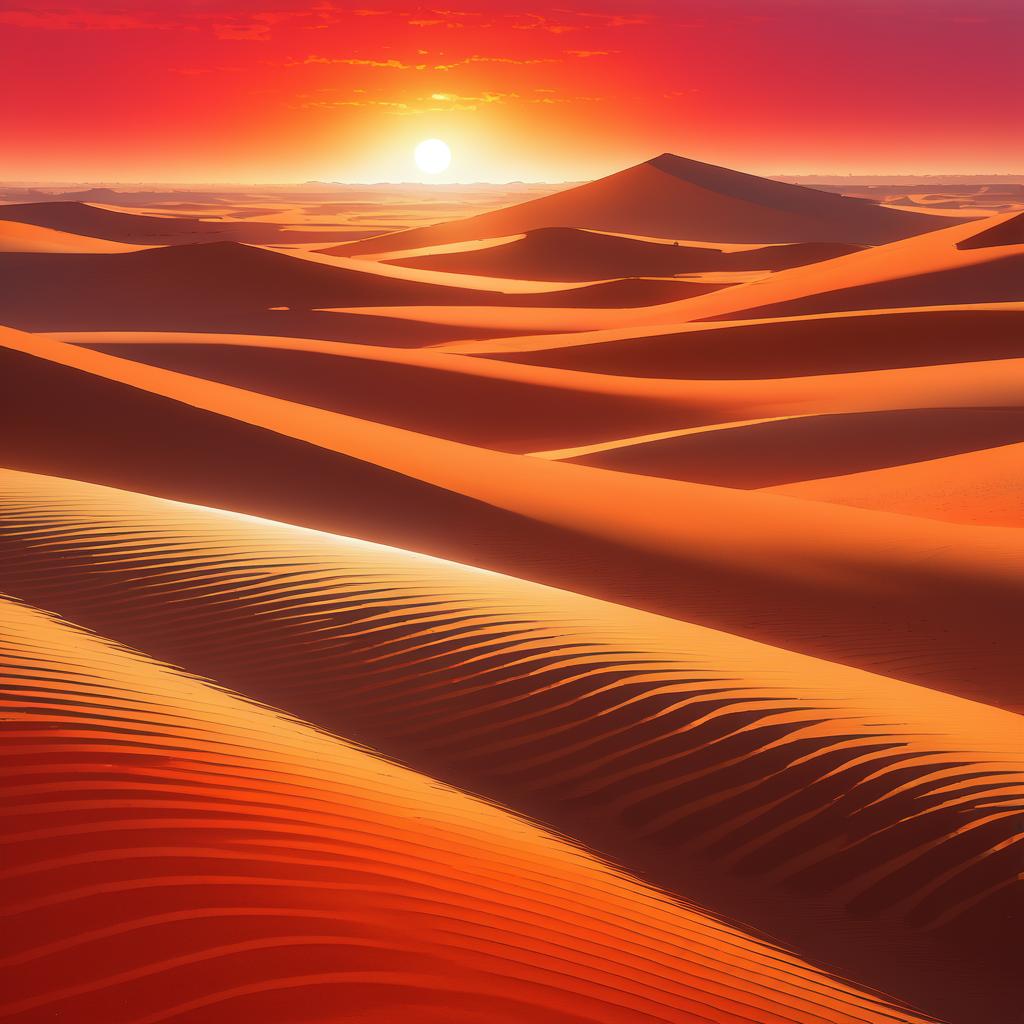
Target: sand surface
(581,603)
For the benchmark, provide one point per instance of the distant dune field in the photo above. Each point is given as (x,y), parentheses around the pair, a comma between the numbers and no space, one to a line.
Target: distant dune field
(935,268)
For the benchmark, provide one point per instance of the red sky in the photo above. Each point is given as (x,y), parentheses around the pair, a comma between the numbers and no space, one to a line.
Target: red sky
(291,90)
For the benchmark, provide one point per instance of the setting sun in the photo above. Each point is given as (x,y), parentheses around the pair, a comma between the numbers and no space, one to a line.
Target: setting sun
(433,156)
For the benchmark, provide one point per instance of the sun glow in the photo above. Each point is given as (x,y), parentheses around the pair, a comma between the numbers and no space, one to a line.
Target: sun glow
(433,156)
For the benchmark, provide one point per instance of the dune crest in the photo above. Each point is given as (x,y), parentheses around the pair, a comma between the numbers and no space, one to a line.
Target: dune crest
(980,488)
(575,254)
(673,197)
(18,237)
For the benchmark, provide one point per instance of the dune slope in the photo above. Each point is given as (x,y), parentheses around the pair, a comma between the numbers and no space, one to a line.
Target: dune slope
(925,270)
(778,347)
(575,254)
(925,601)
(17,237)
(772,452)
(423,388)
(167,225)
(857,817)
(177,853)
(231,286)
(982,487)
(427,392)
(673,197)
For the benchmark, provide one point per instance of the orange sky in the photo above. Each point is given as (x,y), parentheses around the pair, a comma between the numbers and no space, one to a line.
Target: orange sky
(292,90)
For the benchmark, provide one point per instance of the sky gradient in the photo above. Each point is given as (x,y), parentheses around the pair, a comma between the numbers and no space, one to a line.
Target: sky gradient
(289,91)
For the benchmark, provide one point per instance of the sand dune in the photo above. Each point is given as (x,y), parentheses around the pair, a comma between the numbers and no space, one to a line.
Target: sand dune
(773,785)
(630,291)
(423,389)
(603,609)
(232,287)
(482,402)
(16,237)
(95,222)
(179,853)
(676,198)
(166,227)
(574,254)
(771,452)
(926,270)
(982,487)
(925,601)
(1008,231)
(782,347)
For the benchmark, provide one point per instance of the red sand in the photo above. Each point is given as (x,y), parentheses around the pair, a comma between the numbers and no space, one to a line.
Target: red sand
(181,854)
(864,588)
(739,775)
(982,487)
(762,442)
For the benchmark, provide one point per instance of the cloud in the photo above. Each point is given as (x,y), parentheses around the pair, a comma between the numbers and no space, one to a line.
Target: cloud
(360,62)
(436,102)
(423,65)
(480,59)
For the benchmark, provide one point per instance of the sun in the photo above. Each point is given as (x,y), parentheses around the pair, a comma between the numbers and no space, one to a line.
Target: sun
(433,156)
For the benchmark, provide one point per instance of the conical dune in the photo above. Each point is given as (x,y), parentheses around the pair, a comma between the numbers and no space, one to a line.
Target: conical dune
(674,197)
(173,852)
(779,790)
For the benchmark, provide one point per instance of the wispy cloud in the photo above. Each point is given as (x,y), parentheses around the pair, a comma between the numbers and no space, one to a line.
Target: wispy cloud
(436,102)
(359,62)
(429,65)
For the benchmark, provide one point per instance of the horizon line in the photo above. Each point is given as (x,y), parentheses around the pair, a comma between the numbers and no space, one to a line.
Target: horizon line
(380,183)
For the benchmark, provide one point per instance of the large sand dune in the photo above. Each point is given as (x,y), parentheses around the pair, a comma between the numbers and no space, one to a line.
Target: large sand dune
(1007,231)
(774,788)
(426,391)
(927,270)
(784,450)
(779,347)
(675,673)
(676,198)
(492,402)
(17,237)
(981,487)
(231,286)
(926,601)
(165,226)
(574,254)
(178,853)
